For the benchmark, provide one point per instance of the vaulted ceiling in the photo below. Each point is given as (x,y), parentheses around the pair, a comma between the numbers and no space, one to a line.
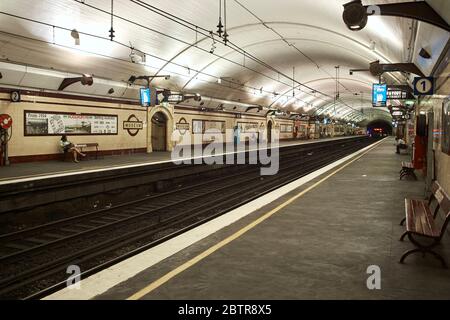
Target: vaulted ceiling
(274,46)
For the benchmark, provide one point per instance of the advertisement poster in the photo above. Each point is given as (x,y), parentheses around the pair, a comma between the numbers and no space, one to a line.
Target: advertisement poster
(44,123)
(286,128)
(446,127)
(248,126)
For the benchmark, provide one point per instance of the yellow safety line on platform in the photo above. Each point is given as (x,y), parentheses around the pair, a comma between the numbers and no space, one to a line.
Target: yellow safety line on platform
(157,283)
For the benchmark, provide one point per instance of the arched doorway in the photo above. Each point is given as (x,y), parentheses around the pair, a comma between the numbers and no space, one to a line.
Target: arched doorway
(159,131)
(269,132)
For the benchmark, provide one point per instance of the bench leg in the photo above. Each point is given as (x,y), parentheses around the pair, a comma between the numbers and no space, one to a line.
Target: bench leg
(403,236)
(439,257)
(408,173)
(424,251)
(402,223)
(409,252)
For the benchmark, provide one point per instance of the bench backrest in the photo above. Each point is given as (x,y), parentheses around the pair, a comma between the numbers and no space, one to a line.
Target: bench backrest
(438,194)
(443,205)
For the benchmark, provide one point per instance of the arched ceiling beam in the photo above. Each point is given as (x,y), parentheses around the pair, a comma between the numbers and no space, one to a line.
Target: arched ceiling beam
(237,28)
(314,81)
(267,42)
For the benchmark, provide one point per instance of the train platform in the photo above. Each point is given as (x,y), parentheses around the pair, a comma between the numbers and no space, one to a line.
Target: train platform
(20,172)
(315,238)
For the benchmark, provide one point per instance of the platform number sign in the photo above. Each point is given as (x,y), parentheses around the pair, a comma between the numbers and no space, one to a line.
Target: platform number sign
(424,86)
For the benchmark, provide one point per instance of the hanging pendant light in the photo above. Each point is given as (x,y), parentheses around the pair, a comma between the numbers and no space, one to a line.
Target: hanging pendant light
(111,31)
(225,35)
(220,25)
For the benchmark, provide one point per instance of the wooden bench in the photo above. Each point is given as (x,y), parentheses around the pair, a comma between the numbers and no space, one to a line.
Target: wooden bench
(88,145)
(402,147)
(407,170)
(421,221)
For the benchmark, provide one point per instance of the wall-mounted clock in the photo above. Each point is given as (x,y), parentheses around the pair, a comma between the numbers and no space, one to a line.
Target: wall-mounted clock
(15,96)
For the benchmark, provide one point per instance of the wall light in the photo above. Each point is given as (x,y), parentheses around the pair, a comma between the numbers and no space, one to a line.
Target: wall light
(76,36)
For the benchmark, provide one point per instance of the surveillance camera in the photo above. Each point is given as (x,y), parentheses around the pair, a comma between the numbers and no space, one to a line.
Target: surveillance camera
(351,72)
(111,91)
(355,15)
(167,77)
(132,80)
(87,80)
(1,76)
(198,97)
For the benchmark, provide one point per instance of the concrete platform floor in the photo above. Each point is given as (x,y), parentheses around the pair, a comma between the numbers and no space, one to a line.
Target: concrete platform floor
(42,168)
(319,247)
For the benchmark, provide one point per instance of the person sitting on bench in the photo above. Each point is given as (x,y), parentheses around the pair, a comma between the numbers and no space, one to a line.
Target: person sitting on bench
(68,146)
(401,144)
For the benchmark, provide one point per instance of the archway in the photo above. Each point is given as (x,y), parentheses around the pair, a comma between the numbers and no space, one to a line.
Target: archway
(159,131)
(379,127)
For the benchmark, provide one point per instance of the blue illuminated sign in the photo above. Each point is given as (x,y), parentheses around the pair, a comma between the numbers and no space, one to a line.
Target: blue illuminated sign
(145,97)
(379,95)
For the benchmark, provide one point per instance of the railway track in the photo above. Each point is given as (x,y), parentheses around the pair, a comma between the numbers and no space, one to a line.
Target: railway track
(35,259)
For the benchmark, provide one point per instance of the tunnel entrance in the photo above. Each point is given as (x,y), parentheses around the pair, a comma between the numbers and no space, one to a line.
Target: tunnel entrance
(379,128)
(159,129)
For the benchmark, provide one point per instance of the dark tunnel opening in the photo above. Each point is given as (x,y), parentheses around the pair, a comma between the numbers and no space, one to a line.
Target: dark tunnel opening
(379,128)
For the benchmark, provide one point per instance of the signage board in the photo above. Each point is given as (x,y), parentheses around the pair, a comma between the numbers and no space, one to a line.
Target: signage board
(43,123)
(133,125)
(145,97)
(424,86)
(399,92)
(379,95)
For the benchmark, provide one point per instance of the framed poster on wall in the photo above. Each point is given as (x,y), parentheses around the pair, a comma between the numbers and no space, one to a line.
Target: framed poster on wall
(286,128)
(43,123)
(197,126)
(445,142)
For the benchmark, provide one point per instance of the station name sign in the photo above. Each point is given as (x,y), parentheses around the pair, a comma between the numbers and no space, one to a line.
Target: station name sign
(133,125)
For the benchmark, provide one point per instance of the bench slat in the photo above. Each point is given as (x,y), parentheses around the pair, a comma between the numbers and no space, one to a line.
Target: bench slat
(408,165)
(419,218)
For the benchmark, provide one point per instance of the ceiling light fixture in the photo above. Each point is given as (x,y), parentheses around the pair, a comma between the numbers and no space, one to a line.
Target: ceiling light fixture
(111,31)
(137,56)
(220,25)
(225,34)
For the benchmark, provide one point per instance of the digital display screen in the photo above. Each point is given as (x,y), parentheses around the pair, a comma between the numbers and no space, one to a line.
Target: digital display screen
(379,95)
(145,97)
